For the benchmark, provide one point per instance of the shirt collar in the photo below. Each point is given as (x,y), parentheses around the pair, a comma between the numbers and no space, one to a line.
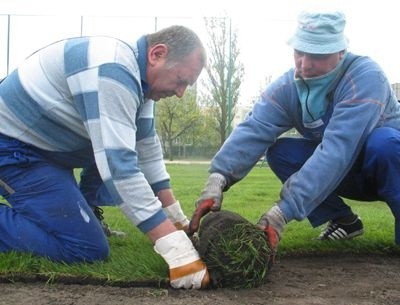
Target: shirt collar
(142,62)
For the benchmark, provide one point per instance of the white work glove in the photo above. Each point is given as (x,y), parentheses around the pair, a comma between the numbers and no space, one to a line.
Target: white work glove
(186,269)
(210,200)
(178,218)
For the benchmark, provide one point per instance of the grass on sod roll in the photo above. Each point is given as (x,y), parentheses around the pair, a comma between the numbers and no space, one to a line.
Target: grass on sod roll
(133,258)
(235,251)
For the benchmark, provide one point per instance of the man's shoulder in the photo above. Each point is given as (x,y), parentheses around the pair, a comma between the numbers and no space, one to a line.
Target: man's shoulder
(359,60)
(285,80)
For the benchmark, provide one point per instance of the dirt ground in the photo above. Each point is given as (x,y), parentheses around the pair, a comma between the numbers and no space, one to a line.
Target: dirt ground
(356,280)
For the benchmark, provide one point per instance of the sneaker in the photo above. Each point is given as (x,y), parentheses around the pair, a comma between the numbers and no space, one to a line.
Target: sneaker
(98,212)
(335,230)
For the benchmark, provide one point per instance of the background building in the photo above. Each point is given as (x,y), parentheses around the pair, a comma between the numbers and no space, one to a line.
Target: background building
(396,89)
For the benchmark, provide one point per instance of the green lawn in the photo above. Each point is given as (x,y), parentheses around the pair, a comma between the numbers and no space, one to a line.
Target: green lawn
(133,259)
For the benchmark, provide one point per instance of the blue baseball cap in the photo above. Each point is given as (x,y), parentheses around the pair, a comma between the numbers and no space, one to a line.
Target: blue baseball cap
(320,33)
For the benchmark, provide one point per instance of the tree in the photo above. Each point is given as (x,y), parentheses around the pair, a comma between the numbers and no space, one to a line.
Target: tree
(177,118)
(224,74)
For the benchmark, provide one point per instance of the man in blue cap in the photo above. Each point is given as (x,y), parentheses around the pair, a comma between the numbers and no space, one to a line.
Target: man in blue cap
(348,117)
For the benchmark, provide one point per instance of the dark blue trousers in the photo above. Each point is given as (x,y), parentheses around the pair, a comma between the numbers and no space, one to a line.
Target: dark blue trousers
(374,176)
(47,214)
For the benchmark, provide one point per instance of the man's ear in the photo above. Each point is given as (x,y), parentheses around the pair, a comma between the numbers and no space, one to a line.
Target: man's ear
(156,53)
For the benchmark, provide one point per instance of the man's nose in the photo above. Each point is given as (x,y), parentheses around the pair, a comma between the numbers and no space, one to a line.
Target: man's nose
(306,62)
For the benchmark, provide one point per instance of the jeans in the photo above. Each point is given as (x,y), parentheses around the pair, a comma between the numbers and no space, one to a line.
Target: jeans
(47,214)
(374,176)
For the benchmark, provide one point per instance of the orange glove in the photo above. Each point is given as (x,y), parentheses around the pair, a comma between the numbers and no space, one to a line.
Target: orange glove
(202,209)
(273,241)
(210,200)
(272,223)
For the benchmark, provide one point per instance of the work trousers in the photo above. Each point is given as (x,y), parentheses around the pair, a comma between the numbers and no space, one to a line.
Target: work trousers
(47,214)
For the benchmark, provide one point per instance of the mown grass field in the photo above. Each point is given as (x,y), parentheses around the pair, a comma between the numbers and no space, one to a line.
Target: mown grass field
(133,259)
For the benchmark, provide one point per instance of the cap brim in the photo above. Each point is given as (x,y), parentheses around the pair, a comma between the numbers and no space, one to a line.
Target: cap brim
(318,48)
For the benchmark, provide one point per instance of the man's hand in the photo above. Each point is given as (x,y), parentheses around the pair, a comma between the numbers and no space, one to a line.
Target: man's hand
(273,241)
(186,269)
(210,200)
(202,209)
(272,223)
(178,218)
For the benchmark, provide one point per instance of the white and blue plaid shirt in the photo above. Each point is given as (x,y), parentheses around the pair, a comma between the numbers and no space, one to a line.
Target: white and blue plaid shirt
(85,96)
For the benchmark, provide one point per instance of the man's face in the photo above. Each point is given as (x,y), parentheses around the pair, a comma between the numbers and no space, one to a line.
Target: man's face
(167,79)
(312,65)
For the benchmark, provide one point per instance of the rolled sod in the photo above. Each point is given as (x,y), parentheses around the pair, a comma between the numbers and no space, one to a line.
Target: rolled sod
(235,251)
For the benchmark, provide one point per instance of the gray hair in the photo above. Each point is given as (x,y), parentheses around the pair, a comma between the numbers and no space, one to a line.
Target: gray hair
(181,42)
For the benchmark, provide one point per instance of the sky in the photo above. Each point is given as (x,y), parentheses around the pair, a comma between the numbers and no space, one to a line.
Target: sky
(263,28)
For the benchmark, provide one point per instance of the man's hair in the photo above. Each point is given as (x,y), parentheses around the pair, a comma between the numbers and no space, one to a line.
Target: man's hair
(180,41)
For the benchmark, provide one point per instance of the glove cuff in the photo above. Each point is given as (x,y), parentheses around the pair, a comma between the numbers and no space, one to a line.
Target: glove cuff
(175,214)
(276,219)
(217,179)
(273,218)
